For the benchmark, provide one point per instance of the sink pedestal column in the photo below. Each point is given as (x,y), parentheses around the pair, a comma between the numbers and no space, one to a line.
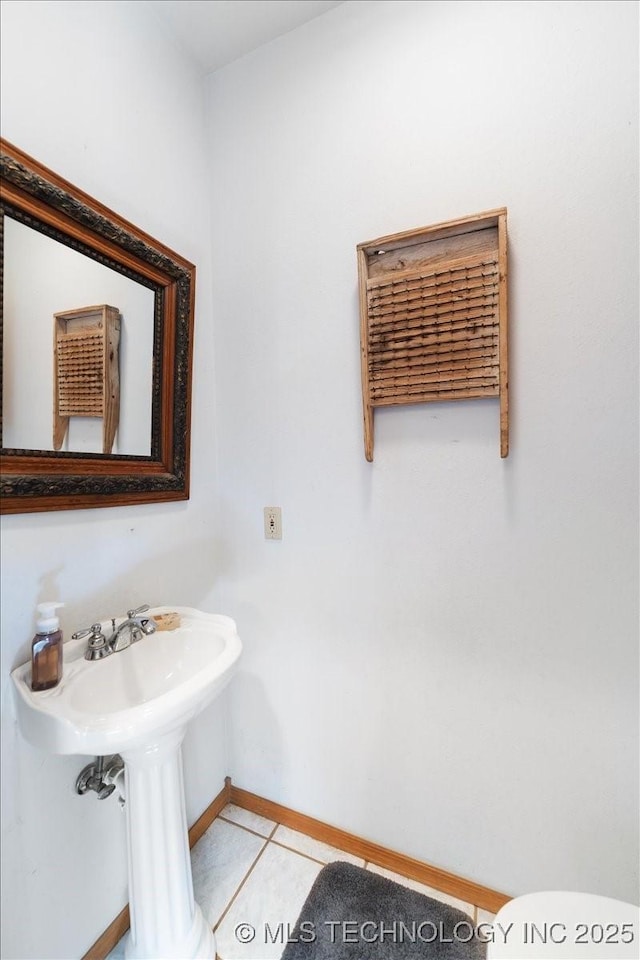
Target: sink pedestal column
(165,920)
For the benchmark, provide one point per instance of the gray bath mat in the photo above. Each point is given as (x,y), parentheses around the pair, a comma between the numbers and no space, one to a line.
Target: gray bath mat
(354,914)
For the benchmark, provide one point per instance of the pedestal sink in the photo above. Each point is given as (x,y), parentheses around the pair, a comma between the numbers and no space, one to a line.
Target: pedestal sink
(138,702)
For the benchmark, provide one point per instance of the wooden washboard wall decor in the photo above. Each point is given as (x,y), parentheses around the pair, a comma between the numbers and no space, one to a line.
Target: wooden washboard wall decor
(86,376)
(433,317)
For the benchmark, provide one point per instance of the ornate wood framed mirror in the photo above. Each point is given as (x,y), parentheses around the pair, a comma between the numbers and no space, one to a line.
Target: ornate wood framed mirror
(64,254)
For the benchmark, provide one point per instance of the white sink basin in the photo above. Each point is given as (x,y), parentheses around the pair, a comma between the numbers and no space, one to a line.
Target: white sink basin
(116,704)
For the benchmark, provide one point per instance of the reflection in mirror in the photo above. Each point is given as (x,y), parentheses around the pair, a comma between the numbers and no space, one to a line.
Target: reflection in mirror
(65,280)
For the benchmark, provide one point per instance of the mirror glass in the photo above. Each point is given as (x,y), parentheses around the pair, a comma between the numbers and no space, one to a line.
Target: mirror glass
(68,280)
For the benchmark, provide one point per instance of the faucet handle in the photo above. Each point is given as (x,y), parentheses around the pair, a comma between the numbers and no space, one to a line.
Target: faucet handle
(97,647)
(104,790)
(137,611)
(93,632)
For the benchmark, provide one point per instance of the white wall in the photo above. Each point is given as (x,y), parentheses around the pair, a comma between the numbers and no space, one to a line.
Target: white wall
(441,654)
(98,93)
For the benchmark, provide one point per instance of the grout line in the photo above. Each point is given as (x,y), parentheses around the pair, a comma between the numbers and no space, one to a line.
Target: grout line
(307,856)
(301,853)
(246,876)
(234,823)
(240,886)
(310,856)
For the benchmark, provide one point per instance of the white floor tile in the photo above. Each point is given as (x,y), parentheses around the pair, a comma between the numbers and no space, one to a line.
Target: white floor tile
(421,888)
(248,819)
(219,861)
(313,848)
(271,899)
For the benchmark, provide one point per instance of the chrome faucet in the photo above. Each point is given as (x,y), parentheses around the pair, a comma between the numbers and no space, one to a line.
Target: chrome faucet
(129,631)
(132,629)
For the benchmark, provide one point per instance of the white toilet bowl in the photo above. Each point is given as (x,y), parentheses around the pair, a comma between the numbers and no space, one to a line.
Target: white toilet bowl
(562,925)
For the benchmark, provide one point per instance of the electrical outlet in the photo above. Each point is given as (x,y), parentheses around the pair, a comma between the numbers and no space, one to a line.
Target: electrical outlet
(272,523)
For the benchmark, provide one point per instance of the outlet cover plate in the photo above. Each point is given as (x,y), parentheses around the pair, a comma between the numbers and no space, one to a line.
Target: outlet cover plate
(272,523)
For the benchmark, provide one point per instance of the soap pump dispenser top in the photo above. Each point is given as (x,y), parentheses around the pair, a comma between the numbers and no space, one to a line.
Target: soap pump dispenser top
(46,648)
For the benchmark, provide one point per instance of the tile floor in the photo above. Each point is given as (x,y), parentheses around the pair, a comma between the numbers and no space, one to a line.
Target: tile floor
(253,871)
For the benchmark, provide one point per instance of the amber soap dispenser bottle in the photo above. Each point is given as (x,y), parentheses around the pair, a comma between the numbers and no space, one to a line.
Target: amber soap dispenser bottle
(46,648)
